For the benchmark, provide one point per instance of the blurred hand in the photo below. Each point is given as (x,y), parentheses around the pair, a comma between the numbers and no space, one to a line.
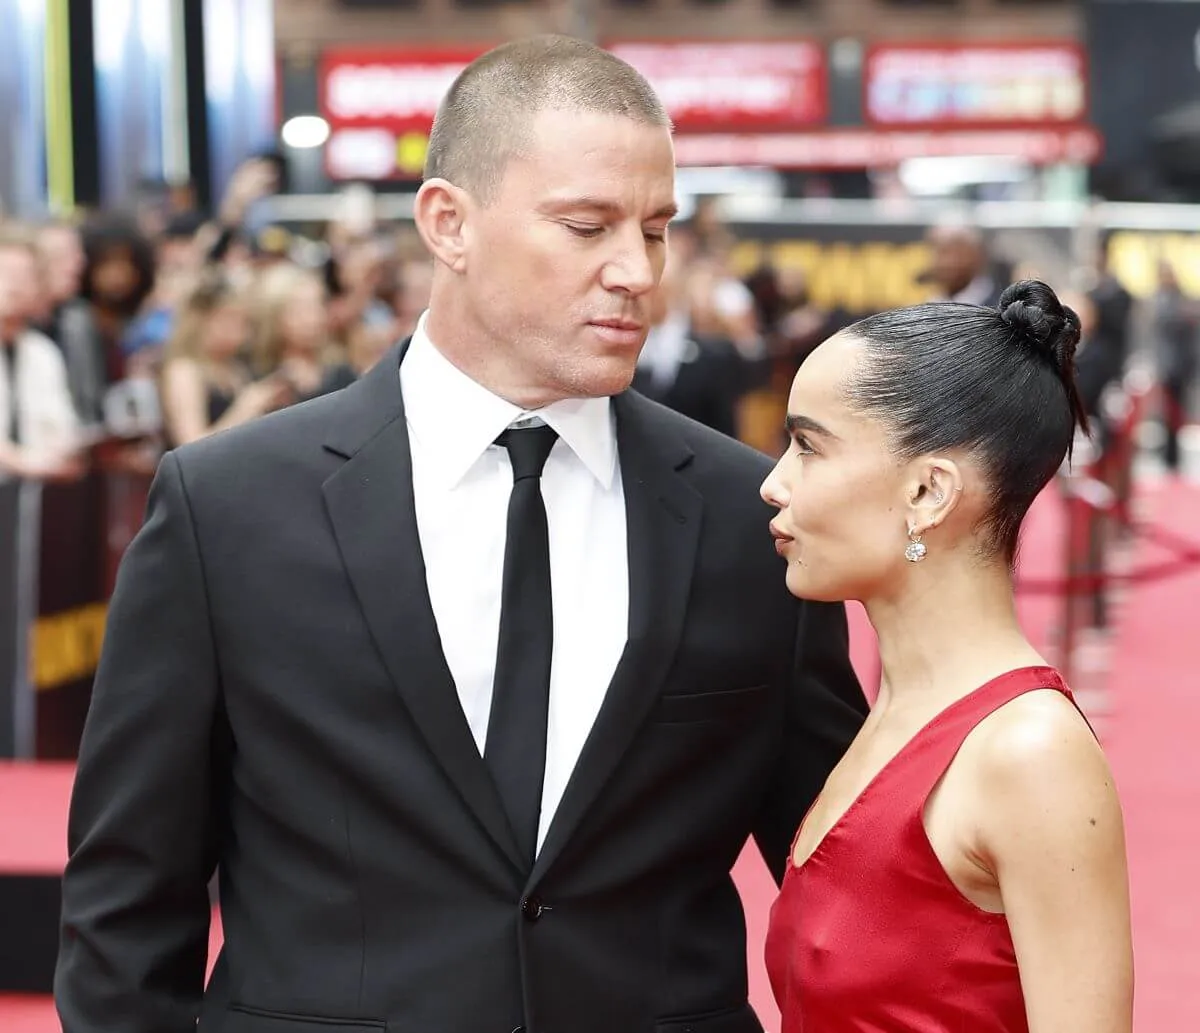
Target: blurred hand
(141,458)
(266,395)
(56,469)
(254,179)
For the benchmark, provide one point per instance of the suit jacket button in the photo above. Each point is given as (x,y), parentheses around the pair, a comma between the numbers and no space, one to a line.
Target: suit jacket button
(532,909)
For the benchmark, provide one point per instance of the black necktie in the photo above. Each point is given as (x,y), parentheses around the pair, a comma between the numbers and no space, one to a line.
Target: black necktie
(515,750)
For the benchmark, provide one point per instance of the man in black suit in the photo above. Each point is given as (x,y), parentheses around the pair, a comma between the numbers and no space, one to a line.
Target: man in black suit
(472,717)
(699,375)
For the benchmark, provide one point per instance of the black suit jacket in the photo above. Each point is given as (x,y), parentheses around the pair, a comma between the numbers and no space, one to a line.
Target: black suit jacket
(273,703)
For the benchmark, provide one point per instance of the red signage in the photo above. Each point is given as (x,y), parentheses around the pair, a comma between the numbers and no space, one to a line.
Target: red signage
(975,85)
(735,86)
(872,148)
(380,103)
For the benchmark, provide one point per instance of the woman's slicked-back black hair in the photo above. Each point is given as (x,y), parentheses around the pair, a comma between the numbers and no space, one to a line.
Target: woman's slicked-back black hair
(998,383)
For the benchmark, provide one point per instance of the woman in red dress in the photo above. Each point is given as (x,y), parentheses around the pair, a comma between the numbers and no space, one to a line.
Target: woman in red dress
(963,869)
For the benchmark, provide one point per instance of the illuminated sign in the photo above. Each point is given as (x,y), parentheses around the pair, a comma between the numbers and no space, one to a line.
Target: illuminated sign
(985,85)
(741,86)
(380,103)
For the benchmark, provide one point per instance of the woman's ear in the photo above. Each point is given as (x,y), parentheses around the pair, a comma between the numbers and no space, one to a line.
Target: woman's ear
(934,492)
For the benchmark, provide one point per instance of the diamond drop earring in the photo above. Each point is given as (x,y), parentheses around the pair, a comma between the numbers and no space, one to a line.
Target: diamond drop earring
(915,551)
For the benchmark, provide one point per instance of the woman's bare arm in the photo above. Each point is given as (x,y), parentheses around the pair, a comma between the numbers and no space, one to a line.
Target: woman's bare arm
(1052,832)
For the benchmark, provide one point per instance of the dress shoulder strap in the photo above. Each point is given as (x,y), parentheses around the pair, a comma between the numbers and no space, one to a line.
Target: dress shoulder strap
(930,752)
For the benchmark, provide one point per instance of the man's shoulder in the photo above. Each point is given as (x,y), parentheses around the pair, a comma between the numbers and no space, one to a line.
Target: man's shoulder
(713,451)
(295,434)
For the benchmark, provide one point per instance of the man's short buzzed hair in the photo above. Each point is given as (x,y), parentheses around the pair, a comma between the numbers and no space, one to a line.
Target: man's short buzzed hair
(486,115)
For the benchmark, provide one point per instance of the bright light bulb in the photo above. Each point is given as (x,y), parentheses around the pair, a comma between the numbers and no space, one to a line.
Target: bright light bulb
(305,131)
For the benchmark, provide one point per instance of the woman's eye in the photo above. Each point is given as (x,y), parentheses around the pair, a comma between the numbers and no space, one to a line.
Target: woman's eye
(802,445)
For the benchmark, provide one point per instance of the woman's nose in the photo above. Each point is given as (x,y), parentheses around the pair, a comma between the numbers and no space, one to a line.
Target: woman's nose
(773,491)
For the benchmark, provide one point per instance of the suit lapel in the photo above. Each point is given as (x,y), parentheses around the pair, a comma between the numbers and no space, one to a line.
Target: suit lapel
(371,506)
(663,515)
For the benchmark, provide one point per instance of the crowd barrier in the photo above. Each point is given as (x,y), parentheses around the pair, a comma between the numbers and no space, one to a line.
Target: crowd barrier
(20,531)
(60,545)
(1099,518)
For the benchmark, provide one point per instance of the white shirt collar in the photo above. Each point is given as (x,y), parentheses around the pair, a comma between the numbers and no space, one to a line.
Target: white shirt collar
(449,411)
(977,292)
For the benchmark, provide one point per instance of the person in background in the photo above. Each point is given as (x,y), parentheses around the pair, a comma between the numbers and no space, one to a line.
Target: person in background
(1109,341)
(290,328)
(179,261)
(39,428)
(416,281)
(225,240)
(119,276)
(60,254)
(69,320)
(354,279)
(1175,319)
(959,266)
(689,365)
(206,385)
(368,343)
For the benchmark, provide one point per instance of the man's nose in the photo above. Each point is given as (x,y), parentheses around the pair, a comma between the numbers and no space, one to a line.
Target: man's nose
(633,269)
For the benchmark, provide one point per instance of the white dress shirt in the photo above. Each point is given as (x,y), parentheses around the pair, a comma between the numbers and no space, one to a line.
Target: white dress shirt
(461,485)
(666,349)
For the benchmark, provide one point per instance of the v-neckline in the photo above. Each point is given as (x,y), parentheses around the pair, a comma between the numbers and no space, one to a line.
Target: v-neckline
(919,734)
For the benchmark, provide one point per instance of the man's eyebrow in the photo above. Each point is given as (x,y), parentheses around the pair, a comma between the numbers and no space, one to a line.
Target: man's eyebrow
(797,422)
(602,205)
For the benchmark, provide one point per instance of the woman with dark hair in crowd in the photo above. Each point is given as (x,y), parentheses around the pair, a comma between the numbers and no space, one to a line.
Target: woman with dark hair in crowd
(117,278)
(964,866)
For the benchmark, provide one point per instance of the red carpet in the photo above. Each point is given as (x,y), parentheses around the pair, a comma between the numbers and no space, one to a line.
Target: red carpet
(33,818)
(28,1015)
(1150,740)
(1153,749)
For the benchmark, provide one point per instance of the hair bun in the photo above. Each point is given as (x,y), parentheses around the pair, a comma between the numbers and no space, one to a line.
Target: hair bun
(1041,323)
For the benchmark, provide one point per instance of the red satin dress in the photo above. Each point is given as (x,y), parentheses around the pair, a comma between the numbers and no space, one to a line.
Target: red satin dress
(869,935)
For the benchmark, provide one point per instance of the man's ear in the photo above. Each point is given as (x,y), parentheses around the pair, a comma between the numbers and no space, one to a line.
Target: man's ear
(440,213)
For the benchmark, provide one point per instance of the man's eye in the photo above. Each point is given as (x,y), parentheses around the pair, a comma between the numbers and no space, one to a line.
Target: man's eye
(585,231)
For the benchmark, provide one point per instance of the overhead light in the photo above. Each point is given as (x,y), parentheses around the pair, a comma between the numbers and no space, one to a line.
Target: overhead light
(305,131)
(933,177)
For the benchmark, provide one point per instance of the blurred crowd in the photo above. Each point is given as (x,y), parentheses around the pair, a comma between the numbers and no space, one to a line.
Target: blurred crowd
(136,335)
(156,335)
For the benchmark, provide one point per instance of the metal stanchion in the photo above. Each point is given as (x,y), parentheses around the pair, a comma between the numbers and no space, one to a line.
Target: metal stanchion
(1088,502)
(20,534)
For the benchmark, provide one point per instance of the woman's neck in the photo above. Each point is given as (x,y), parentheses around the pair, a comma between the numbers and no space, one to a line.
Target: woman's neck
(952,629)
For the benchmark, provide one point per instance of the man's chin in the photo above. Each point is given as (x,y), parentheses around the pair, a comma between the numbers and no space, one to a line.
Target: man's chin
(606,379)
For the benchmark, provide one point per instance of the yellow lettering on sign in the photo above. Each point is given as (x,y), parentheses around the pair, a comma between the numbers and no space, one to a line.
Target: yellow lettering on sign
(1134,258)
(857,278)
(66,646)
